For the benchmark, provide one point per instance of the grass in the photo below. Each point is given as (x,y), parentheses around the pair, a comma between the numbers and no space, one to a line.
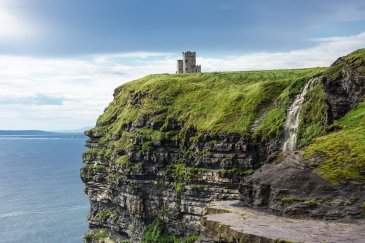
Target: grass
(179,187)
(106,213)
(272,124)
(180,172)
(122,160)
(94,167)
(148,146)
(312,119)
(156,232)
(290,200)
(227,102)
(340,155)
(274,116)
(95,235)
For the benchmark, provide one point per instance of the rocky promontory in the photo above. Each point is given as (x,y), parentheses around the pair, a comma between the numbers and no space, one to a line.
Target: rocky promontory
(168,146)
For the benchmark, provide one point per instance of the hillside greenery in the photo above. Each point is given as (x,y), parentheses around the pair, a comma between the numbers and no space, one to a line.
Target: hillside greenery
(313,121)
(156,232)
(341,154)
(227,102)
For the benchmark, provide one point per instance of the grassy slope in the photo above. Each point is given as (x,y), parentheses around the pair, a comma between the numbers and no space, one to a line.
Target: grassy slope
(341,154)
(214,102)
(312,116)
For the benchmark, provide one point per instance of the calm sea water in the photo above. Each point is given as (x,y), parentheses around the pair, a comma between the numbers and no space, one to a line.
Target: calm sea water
(41,194)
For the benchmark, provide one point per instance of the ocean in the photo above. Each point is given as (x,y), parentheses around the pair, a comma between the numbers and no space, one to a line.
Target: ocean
(41,193)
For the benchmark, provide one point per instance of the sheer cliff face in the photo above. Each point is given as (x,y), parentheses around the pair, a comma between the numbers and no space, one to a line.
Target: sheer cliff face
(170,144)
(127,195)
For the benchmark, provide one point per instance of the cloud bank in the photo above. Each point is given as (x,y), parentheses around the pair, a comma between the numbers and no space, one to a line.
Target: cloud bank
(68,93)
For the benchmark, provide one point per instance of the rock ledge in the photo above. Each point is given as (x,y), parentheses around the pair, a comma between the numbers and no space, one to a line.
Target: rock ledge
(226,221)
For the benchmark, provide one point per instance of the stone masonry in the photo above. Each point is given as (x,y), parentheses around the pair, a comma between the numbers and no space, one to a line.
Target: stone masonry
(188,63)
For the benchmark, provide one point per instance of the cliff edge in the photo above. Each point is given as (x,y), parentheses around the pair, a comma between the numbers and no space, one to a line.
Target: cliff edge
(168,145)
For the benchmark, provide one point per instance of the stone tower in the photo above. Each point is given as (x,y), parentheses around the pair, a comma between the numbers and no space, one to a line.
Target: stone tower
(188,63)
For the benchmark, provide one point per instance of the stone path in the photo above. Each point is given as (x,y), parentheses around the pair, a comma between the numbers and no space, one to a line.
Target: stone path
(228,222)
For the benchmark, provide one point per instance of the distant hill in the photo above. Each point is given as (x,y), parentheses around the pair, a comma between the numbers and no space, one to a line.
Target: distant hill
(25,132)
(80,130)
(35,132)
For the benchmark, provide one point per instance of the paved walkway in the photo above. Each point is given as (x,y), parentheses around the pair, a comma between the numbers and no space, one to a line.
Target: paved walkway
(241,222)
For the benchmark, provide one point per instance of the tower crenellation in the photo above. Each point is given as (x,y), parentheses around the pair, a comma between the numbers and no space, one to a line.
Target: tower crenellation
(188,63)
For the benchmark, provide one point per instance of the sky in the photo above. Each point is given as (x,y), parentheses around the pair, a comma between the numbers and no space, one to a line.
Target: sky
(60,60)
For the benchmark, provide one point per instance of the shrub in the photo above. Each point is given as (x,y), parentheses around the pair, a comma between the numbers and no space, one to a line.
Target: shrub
(106,213)
(122,160)
(148,146)
(156,232)
(179,187)
(95,235)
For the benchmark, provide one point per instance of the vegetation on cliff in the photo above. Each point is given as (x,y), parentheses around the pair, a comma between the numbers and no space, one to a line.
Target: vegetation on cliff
(182,141)
(341,154)
(355,61)
(209,102)
(313,120)
(156,232)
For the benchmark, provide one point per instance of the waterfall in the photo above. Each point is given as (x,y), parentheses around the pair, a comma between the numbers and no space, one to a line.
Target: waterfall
(292,119)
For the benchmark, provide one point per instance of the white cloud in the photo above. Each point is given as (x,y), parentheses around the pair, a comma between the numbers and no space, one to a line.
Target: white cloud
(323,53)
(13,25)
(78,89)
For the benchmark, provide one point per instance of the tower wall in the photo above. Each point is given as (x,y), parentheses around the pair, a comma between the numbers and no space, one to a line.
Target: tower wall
(180,66)
(189,62)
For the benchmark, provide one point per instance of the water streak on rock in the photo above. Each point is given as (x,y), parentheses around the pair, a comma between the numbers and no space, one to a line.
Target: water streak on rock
(292,119)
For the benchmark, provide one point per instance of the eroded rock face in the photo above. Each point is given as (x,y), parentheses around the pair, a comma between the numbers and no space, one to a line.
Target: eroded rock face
(130,190)
(344,90)
(290,188)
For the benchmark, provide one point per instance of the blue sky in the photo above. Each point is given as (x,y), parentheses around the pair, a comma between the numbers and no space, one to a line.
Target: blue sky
(61,59)
(77,27)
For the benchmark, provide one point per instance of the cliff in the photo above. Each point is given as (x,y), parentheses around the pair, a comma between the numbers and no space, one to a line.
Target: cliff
(168,145)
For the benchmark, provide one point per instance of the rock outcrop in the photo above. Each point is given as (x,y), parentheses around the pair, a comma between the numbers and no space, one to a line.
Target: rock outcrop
(344,84)
(228,221)
(289,187)
(128,196)
(288,184)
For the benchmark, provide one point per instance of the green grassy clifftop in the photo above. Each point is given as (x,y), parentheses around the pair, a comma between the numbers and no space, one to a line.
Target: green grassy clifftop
(209,102)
